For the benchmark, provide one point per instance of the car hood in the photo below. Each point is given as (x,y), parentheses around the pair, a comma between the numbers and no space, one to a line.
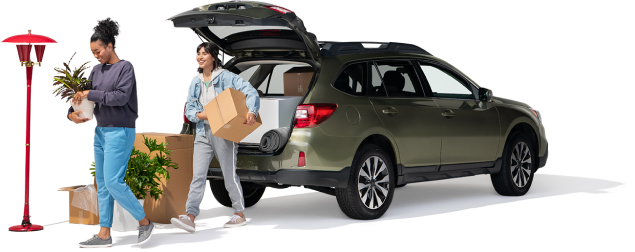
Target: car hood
(508,101)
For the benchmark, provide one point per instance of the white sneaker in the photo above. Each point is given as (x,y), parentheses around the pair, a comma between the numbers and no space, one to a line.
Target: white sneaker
(235,221)
(184,222)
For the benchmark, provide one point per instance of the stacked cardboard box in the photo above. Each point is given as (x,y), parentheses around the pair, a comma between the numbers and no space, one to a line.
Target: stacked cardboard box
(172,202)
(296,81)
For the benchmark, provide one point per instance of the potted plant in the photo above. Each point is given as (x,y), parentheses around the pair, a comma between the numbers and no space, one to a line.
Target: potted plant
(143,176)
(71,82)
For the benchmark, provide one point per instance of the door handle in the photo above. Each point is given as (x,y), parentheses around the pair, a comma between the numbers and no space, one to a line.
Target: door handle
(448,114)
(390,111)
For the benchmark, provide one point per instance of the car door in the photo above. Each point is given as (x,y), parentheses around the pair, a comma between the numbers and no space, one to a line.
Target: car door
(471,127)
(251,29)
(411,119)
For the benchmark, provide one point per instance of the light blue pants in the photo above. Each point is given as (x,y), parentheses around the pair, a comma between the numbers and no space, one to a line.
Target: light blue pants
(113,146)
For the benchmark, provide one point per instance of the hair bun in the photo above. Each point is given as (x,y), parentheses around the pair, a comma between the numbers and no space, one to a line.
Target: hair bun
(107,28)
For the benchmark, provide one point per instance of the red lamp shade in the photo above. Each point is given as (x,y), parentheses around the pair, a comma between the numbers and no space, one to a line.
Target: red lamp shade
(24,51)
(39,52)
(29,38)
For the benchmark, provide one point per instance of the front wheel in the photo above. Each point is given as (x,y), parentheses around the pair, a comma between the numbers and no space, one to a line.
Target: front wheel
(371,185)
(251,193)
(518,167)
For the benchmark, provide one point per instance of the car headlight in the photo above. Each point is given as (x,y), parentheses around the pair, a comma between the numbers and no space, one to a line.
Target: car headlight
(537,114)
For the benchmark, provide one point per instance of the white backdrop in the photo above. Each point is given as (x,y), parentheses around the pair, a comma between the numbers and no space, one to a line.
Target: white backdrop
(571,60)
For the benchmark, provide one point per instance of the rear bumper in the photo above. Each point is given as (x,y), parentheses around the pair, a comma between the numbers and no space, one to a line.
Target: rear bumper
(542,161)
(337,179)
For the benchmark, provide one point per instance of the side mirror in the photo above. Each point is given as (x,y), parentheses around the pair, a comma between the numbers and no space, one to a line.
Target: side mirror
(485,94)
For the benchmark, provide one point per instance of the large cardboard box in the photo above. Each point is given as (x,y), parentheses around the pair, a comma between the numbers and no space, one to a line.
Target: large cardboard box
(172,202)
(226,114)
(275,113)
(77,215)
(296,81)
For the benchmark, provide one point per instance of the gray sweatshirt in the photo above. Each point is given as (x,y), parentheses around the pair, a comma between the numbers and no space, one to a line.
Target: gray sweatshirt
(115,95)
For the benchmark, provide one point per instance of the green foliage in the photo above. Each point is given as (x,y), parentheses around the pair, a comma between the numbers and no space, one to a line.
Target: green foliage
(71,81)
(145,172)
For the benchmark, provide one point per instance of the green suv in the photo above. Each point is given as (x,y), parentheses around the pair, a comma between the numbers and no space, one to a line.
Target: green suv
(374,117)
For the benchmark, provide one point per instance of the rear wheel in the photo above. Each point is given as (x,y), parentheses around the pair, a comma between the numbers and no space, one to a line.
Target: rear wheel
(518,167)
(370,186)
(251,192)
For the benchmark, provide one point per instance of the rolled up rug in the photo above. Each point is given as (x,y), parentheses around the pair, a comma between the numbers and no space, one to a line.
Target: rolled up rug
(274,139)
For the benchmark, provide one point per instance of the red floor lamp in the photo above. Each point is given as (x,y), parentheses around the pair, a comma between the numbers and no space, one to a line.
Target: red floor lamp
(24,52)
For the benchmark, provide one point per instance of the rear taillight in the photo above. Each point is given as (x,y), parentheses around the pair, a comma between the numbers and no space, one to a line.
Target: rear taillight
(311,115)
(185,120)
(301,160)
(279,9)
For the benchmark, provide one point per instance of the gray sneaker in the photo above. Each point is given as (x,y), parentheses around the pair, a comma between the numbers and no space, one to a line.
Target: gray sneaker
(145,232)
(235,221)
(96,242)
(184,222)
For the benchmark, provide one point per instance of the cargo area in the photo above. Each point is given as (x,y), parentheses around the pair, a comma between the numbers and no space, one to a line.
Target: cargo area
(281,86)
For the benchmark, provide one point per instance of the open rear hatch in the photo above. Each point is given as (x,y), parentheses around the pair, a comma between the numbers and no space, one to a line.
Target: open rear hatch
(251,29)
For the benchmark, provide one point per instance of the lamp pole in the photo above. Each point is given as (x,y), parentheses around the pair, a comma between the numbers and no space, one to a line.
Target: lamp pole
(24,52)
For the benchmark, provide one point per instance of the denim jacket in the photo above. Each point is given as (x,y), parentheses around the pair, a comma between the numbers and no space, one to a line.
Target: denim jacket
(225,79)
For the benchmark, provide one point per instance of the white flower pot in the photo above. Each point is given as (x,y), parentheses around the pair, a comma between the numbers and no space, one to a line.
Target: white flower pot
(87,106)
(122,220)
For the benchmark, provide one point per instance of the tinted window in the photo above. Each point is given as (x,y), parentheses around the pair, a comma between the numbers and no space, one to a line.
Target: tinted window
(351,80)
(399,79)
(443,84)
(376,88)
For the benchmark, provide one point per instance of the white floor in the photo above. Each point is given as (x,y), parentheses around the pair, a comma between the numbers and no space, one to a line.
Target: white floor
(560,213)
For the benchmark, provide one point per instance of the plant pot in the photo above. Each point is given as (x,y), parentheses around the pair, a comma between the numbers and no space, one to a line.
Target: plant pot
(122,220)
(87,107)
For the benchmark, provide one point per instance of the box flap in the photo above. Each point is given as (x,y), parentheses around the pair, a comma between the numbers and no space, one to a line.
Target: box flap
(70,188)
(174,141)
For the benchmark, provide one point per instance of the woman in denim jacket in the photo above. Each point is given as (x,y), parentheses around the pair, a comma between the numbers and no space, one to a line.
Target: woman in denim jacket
(211,81)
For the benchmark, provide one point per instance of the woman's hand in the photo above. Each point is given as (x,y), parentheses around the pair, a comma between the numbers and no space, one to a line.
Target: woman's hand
(251,119)
(78,97)
(202,116)
(75,117)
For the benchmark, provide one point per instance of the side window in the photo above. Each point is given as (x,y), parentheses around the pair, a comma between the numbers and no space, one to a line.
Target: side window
(444,84)
(399,79)
(352,79)
(376,88)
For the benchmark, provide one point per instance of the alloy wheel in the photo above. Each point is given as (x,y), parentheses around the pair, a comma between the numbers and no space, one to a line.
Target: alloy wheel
(520,164)
(373,182)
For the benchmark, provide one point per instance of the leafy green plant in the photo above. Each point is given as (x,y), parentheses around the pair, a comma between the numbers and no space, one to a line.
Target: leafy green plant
(71,81)
(145,172)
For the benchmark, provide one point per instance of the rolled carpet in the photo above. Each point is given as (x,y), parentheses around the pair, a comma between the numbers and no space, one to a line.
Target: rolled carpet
(274,139)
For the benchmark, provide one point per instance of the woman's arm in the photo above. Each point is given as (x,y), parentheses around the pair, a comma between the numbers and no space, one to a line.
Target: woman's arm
(190,105)
(123,89)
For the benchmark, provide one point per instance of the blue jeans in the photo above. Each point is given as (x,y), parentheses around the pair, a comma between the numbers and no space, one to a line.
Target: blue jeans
(113,146)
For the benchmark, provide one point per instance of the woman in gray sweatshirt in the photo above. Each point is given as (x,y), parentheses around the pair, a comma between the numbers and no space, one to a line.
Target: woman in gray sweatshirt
(114,91)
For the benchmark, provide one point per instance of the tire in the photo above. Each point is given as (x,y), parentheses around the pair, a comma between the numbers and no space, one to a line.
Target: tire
(251,193)
(367,204)
(514,178)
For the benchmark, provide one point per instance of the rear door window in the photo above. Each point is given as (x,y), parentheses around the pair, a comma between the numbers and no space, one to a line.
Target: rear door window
(268,76)
(352,80)
(398,79)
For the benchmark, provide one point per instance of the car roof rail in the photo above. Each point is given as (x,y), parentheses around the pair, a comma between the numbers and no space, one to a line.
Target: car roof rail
(332,48)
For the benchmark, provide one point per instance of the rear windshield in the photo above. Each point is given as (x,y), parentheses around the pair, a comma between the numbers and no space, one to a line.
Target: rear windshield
(277,78)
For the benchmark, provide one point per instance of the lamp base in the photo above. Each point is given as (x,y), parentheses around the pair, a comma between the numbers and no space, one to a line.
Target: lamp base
(26,228)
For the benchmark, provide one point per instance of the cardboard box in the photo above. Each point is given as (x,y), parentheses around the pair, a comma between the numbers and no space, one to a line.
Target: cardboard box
(226,114)
(297,80)
(77,215)
(276,113)
(172,202)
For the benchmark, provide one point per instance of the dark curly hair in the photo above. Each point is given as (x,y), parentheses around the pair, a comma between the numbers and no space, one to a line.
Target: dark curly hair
(212,49)
(105,31)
